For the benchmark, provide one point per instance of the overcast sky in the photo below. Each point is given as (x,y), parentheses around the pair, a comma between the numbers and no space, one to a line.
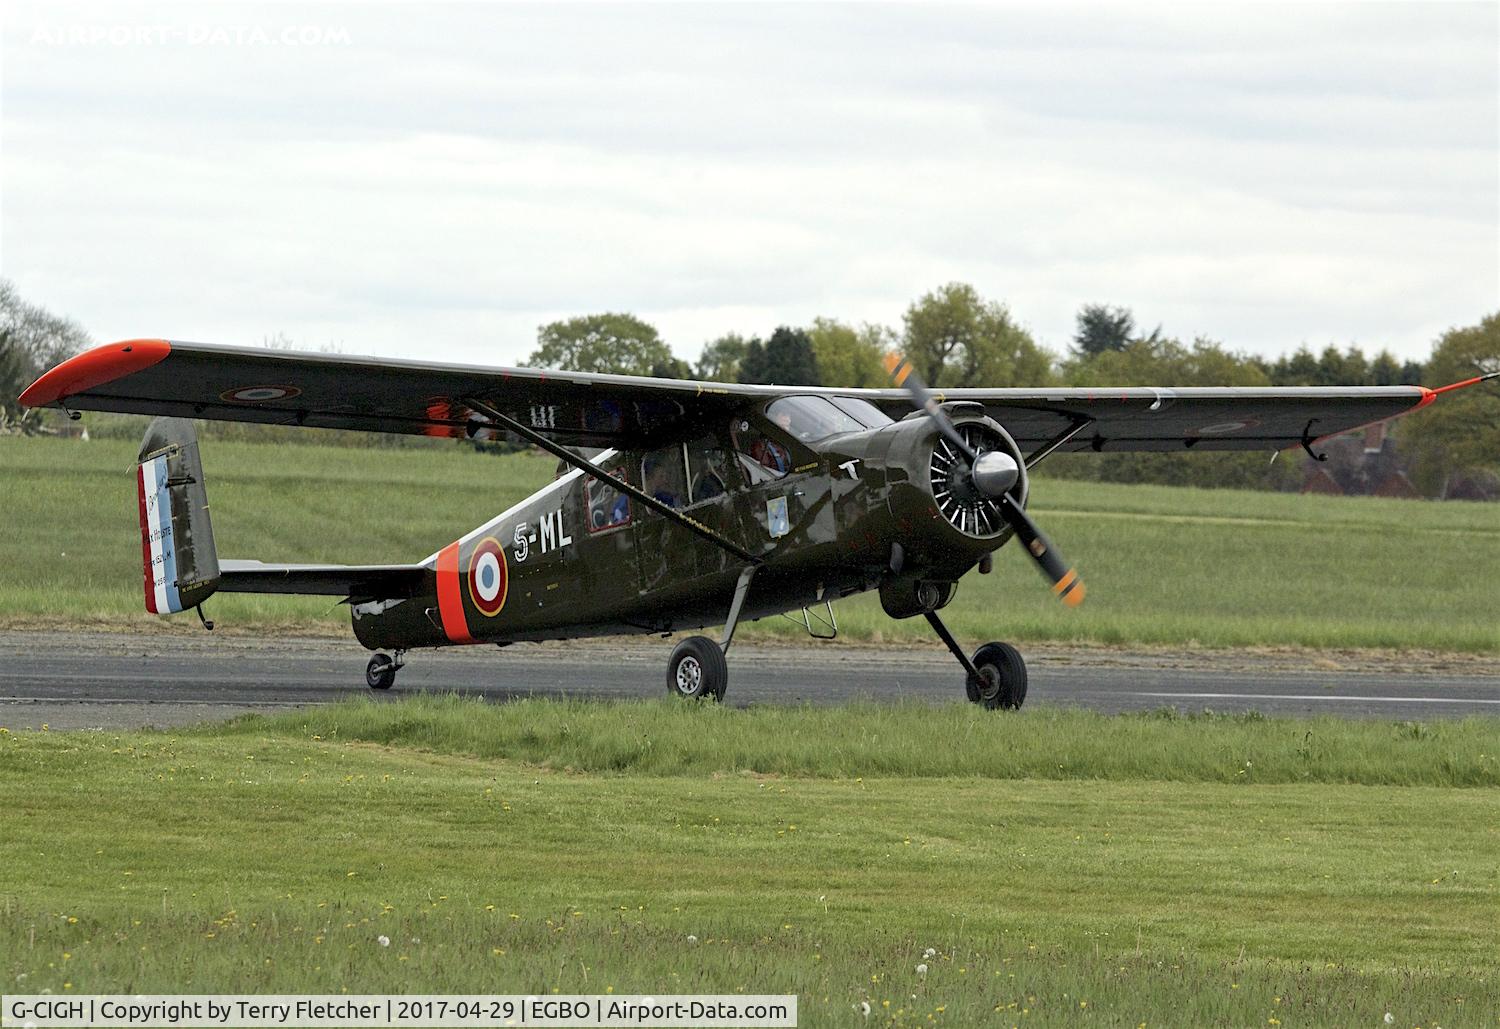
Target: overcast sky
(437,181)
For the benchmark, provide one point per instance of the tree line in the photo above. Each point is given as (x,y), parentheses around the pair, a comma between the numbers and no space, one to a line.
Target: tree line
(956,337)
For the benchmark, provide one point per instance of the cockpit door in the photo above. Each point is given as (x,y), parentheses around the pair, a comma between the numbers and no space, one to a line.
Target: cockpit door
(699,479)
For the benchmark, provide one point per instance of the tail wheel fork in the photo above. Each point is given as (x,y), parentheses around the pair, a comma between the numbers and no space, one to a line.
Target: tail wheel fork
(380,673)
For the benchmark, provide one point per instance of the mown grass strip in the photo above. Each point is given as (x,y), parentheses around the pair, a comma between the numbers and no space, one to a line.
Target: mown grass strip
(910,740)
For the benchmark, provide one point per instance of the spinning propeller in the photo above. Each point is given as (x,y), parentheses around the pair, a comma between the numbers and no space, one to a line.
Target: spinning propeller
(990,475)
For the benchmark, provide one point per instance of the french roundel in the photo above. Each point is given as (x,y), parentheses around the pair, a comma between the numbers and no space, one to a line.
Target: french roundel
(259,394)
(488,577)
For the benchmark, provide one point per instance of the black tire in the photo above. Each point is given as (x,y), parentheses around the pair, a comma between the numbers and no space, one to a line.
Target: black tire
(697,670)
(380,673)
(1004,677)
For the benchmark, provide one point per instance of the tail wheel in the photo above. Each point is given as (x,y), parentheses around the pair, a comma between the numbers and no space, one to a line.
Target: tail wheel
(380,673)
(1002,677)
(697,670)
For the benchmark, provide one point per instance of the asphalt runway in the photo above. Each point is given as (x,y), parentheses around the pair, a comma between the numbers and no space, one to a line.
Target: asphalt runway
(107,680)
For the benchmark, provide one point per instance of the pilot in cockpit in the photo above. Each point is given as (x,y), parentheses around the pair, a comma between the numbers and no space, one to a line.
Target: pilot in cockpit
(659,482)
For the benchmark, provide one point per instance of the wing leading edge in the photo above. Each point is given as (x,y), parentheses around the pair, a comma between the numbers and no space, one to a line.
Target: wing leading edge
(195,380)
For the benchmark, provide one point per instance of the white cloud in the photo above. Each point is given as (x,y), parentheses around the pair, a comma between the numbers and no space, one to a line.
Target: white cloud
(436,182)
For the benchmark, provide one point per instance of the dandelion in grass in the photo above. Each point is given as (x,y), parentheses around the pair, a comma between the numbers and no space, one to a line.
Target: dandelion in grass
(922,969)
(864,1008)
(929,953)
(691,938)
(1390,1019)
(384,941)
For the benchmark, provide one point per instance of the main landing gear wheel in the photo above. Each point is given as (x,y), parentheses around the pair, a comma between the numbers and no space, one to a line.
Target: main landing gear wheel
(1002,682)
(697,670)
(380,673)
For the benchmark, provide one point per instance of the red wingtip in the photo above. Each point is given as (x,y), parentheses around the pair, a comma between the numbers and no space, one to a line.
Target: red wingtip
(93,368)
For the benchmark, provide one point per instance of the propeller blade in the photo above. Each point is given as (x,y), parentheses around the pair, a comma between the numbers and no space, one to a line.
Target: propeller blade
(1066,582)
(906,377)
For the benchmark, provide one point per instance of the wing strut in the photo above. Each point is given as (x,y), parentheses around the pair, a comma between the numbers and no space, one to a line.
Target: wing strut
(1080,422)
(593,471)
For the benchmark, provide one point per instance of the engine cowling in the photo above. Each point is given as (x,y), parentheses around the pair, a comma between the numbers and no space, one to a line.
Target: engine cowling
(941,522)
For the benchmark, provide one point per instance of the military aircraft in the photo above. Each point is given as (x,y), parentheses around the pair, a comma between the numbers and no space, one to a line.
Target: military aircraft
(699,504)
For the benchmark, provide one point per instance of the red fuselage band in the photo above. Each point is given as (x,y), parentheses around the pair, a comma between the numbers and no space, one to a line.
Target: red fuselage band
(451,596)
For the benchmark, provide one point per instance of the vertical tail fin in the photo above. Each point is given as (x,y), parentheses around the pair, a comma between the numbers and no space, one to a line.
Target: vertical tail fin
(177,541)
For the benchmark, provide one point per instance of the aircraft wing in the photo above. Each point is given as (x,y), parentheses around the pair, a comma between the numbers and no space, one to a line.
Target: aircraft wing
(1186,418)
(195,380)
(334,391)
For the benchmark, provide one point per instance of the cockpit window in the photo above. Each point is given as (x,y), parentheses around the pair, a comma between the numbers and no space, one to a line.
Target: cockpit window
(608,507)
(862,411)
(708,470)
(663,473)
(811,418)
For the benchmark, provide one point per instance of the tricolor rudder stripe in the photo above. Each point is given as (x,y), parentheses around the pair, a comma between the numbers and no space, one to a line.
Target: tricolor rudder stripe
(158,552)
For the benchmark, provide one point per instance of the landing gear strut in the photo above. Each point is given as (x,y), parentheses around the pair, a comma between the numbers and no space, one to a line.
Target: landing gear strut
(380,673)
(996,672)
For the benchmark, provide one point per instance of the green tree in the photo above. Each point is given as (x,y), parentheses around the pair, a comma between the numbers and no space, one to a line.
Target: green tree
(618,343)
(954,338)
(32,340)
(786,359)
(720,360)
(848,356)
(1102,328)
(1297,369)
(1460,433)
(1166,362)
(672,368)
(1385,370)
(1349,368)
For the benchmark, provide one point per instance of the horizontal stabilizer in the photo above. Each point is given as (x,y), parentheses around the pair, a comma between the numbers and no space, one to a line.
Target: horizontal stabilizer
(356,582)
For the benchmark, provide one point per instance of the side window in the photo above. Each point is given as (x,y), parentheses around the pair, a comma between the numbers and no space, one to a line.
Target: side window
(608,507)
(708,470)
(663,475)
(762,458)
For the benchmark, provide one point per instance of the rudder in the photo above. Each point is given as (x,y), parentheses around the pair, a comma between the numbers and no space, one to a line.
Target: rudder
(180,564)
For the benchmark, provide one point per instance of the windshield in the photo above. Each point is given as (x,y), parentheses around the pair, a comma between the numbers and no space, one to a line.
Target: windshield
(866,413)
(811,418)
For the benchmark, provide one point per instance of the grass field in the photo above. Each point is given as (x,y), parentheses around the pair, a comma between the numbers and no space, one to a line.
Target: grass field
(1062,867)
(1164,565)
